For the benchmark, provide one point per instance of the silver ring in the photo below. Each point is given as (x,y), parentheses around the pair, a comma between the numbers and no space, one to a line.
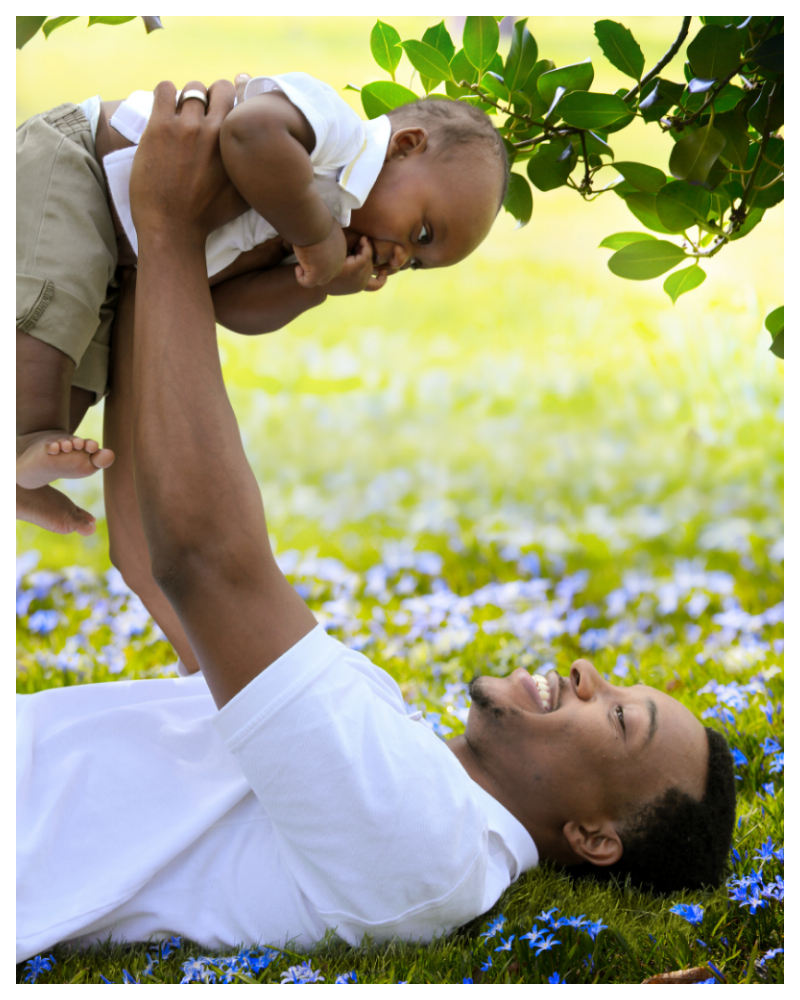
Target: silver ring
(194,93)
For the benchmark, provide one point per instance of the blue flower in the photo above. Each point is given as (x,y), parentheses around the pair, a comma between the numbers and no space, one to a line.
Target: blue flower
(506,943)
(546,944)
(347,977)
(36,966)
(593,929)
(152,961)
(768,788)
(43,622)
(555,978)
(770,746)
(705,982)
(496,925)
(168,945)
(574,922)
(487,964)
(301,974)
(692,913)
(532,936)
(766,851)
(776,764)
(547,915)
(128,979)
(769,955)
(739,758)
(467,979)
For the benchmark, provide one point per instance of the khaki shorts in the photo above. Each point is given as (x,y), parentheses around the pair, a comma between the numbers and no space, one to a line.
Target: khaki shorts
(66,247)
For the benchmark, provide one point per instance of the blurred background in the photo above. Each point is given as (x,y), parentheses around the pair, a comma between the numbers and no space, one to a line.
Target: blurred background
(525,397)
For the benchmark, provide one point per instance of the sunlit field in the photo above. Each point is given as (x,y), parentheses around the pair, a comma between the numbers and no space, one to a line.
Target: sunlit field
(516,461)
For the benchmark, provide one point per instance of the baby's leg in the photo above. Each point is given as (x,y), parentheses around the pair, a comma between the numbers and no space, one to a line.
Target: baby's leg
(46,450)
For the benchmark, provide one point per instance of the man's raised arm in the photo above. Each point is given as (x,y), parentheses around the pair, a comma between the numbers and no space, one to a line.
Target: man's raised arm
(200,504)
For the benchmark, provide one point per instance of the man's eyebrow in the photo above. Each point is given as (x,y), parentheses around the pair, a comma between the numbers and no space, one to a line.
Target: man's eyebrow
(651,708)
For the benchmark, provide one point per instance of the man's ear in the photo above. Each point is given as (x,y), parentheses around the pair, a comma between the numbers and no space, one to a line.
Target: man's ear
(406,142)
(599,843)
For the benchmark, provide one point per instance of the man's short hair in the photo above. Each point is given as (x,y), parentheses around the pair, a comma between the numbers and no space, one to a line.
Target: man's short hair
(677,842)
(455,124)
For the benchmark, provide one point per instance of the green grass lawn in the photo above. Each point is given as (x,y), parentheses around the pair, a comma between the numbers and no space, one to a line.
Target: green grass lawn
(515,462)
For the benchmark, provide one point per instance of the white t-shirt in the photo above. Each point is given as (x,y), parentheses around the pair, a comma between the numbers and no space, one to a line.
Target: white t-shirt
(347,158)
(310,801)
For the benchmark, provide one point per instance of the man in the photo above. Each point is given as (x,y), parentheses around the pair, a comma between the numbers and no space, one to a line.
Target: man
(310,800)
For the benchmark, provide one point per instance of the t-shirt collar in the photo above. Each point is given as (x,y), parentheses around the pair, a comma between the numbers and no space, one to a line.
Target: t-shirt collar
(359,175)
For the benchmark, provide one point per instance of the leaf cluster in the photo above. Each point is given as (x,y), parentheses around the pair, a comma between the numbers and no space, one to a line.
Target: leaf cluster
(27,27)
(723,120)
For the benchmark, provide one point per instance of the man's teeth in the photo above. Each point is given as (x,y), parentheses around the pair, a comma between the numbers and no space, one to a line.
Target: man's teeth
(544,689)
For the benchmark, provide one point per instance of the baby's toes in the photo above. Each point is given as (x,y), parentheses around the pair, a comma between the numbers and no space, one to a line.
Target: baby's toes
(59,446)
(90,446)
(102,458)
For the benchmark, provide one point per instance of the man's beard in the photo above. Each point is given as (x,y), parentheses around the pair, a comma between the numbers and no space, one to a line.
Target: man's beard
(483,700)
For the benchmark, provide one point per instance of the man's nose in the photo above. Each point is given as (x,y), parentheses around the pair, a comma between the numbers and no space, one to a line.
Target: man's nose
(585,679)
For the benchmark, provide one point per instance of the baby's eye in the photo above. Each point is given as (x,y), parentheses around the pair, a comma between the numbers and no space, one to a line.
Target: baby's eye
(414,264)
(423,236)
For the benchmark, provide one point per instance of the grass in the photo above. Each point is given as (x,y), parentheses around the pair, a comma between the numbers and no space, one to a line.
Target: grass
(522,416)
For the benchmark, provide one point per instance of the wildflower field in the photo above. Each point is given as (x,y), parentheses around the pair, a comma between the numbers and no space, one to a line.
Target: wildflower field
(517,461)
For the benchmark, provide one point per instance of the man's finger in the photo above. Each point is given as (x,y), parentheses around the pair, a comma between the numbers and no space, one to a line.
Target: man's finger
(192,107)
(164,100)
(220,100)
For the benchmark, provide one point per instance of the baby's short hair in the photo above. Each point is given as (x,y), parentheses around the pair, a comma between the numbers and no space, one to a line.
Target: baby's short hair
(455,124)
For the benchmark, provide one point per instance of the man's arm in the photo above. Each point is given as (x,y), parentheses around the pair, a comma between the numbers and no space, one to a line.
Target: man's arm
(127,543)
(200,504)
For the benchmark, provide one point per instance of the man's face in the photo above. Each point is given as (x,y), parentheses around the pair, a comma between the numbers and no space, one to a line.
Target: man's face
(427,211)
(582,749)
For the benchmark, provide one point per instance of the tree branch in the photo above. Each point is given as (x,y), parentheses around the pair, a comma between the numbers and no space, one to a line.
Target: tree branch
(667,57)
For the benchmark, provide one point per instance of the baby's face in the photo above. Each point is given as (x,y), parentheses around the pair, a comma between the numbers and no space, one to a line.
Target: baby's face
(426,211)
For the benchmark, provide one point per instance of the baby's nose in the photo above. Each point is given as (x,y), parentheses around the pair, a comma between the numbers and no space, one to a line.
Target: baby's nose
(400,257)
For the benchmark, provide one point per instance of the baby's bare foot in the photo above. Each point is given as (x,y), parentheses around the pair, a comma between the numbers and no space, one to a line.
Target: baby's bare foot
(53,511)
(47,455)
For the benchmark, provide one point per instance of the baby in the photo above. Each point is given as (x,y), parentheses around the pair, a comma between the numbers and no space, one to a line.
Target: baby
(348,202)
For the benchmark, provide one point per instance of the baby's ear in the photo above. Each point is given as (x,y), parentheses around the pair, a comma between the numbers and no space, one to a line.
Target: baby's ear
(407,142)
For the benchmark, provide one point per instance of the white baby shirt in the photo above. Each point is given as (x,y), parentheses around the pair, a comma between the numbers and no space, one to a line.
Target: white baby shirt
(347,158)
(312,800)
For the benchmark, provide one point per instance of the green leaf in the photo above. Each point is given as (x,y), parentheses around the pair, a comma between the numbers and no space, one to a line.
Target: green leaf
(680,205)
(620,48)
(769,55)
(694,155)
(777,346)
(439,37)
(492,82)
(595,143)
(522,57)
(577,76)
(384,43)
(428,62)
(480,41)
(714,51)
(27,28)
(592,111)
(110,20)
(643,206)
(658,96)
(757,112)
(645,259)
(519,199)
(683,281)
(754,216)
(642,176)
(733,126)
(383,95)
(774,321)
(548,168)
(55,22)
(619,240)
(461,69)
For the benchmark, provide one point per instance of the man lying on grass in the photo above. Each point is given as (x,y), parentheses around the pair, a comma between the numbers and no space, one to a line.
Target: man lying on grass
(310,800)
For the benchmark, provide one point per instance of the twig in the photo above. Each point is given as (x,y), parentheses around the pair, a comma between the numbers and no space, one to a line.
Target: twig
(662,62)
(586,183)
(680,123)
(739,214)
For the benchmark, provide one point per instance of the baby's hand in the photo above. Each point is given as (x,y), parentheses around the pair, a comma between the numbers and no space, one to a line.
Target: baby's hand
(321,262)
(356,274)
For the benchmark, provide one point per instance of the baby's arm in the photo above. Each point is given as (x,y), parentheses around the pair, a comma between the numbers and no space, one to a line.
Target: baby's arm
(264,301)
(266,144)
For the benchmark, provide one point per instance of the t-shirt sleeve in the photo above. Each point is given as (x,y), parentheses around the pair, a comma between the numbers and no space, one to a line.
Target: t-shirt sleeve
(338,130)
(375,816)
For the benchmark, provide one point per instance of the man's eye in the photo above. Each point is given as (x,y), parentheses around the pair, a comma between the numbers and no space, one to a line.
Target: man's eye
(621,717)
(423,236)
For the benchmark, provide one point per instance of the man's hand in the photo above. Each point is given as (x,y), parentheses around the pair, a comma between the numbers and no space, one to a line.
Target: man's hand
(321,262)
(356,274)
(178,180)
